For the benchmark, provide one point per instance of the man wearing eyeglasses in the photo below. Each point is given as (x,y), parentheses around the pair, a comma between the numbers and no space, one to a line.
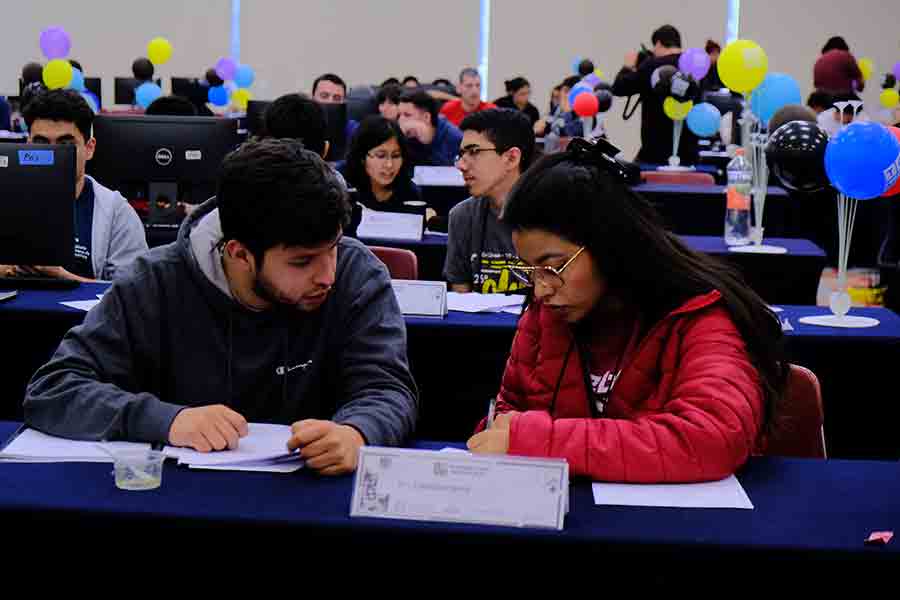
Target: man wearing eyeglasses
(497,146)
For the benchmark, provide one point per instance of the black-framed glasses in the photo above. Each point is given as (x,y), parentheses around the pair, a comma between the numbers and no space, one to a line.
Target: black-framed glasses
(545,275)
(473,151)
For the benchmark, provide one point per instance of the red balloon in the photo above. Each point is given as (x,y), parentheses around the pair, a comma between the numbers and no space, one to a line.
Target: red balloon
(895,189)
(586,105)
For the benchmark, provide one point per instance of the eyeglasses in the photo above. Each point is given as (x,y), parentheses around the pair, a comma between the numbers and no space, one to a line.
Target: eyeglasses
(472,152)
(545,275)
(385,157)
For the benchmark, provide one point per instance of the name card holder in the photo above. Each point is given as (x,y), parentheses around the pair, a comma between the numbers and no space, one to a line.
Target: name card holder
(402,227)
(458,487)
(421,298)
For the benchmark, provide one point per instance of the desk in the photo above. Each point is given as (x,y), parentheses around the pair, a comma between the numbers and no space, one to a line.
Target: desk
(766,273)
(805,510)
(854,366)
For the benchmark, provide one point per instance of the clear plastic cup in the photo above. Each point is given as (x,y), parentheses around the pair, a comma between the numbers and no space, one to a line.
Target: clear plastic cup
(138,469)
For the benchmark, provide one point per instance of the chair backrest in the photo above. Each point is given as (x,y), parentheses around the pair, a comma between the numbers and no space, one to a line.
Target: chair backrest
(401,263)
(799,428)
(683,178)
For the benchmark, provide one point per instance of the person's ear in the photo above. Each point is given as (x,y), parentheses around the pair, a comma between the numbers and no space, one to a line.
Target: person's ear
(240,255)
(89,148)
(513,158)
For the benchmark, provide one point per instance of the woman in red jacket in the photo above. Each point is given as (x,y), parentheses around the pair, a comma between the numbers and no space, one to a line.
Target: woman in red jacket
(638,359)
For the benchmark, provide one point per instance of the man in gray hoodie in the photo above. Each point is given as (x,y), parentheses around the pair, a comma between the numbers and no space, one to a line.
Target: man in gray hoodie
(260,311)
(108,232)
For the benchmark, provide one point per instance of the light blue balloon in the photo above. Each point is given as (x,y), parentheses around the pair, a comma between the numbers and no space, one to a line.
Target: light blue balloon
(704,120)
(580,88)
(863,160)
(77,82)
(218,95)
(92,101)
(776,91)
(244,76)
(575,64)
(146,93)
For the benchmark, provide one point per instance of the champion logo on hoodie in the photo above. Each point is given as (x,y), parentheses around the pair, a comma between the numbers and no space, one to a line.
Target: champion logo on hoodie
(284,369)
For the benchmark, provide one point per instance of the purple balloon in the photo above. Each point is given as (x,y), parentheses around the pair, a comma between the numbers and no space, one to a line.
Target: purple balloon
(897,71)
(695,62)
(55,42)
(225,68)
(591,79)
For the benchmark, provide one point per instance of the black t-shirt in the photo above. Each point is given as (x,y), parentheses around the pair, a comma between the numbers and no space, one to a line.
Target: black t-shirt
(84,226)
(656,127)
(530,109)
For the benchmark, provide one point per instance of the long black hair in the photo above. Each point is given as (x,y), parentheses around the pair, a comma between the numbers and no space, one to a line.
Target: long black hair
(371,133)
(580,196)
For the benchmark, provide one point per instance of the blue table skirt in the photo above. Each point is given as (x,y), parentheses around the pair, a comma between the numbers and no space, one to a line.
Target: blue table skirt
(803,508)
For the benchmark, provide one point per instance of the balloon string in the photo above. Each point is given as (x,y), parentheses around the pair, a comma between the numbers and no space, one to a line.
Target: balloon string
(676,136)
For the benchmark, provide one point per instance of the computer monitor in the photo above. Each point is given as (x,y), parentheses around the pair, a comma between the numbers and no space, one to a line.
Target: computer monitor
(37,200)
(125,87)
(158,161)
(255,121)
(727,103)
(336,130)
(95,86)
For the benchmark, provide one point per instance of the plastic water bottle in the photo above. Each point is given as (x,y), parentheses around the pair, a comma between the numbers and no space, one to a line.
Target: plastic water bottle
(737,210)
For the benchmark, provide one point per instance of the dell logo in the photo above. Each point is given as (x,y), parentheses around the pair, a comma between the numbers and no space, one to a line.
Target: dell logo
(163,157)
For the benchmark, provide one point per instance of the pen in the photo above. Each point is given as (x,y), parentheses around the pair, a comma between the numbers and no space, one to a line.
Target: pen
(491,408)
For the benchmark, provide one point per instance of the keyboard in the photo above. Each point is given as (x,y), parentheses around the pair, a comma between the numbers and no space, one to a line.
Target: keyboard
(37,283)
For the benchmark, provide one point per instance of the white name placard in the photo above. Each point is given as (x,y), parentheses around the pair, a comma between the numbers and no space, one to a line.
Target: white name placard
(390,226)
(438,176)
(457,487)
(424,298)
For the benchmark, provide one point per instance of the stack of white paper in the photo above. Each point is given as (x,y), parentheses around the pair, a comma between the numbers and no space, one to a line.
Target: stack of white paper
(726,493)
(263,449)
(438,176)
(475,303)
(34,446)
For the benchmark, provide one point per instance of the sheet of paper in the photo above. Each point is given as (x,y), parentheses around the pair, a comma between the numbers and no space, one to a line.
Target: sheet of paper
(264,441)
(438,176)
(726,493)
(84,305)
(390,226)
(513,310)
(34,446)
(8,295)
(474,303)
(263,467)
(417,297)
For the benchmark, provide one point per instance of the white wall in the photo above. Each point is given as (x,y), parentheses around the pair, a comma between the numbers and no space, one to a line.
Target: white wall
(108,36)
(793,33)
(291,43)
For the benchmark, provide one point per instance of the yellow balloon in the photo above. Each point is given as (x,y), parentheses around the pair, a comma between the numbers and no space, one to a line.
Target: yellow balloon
(866,66)
(675,110)
(743,66)
(241,97)
(889,98)
(159,50)
(599,73)
(57,73)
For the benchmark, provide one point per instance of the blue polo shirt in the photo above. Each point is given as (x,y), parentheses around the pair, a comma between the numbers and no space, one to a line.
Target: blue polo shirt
(84,226)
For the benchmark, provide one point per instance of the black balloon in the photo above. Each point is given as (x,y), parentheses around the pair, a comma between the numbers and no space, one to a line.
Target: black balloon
(684,87)
(604,100)
(661,78)
(796,156)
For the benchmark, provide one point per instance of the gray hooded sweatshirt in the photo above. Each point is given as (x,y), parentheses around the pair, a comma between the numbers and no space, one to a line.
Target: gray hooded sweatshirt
(169,335)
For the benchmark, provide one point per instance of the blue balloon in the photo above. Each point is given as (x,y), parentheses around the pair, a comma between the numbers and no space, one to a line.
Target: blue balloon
(244,76)
(77,82)
(575,64)
(704,120)
(92,100)
(146,93)
(218,95)
(776,90)
(580,88)
(863,160)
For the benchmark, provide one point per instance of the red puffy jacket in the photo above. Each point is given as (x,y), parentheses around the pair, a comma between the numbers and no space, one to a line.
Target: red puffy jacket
(687,407)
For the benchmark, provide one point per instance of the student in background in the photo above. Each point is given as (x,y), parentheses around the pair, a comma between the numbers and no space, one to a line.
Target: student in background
(819,102)
(638,360)
(497,147)
(518,93)
(433,140)
(331,89)
(260,312)
(469,101)
(712,81)
(836,71)
(410,81)
(177,106)
(388,101)
(109,235)
(378,167)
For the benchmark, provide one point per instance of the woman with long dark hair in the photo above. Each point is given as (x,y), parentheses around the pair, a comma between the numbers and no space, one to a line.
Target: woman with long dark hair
(637,359)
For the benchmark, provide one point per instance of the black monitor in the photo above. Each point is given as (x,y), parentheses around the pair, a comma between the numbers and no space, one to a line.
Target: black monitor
(125,87)
(255,121)
(336,130)
(95,86)
(37,200)
(158,161)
